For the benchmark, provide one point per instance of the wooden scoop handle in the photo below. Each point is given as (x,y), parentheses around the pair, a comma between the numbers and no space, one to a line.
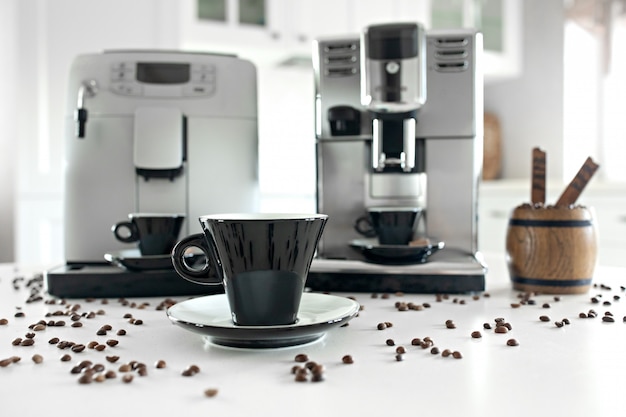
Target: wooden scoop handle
(573,190)
(538,192)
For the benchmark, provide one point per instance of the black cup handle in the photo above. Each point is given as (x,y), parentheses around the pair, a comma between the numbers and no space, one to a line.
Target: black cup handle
(132,229)
(205,275)
(363,226)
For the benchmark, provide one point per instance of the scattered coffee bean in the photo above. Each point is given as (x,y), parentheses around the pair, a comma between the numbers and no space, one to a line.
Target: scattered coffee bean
(450,324)
(101,332)
(301,357)
(512,342)
(110,374)
(347,359)
(77,324)
(66,358)
(100,347)
(112,359)
(16,341)
(582,315)
(210,392)
(457,355)
(501,329)
(86,378)
(434,350)
(608,319)
(390,342)
(121,332)
(5,362)
(301,377)
(400,349)
(486,326)
(381,326)
(124,368)
(544,318)
(127,378)
(27,342)
(37,358)
(515,305)
(112,342)
(3,322)
(39,327)
(446,352)
(416,341)
(78,348)
(191,370)
(565,321)
(399,357)
(476,334)
(160,364)
(558,323)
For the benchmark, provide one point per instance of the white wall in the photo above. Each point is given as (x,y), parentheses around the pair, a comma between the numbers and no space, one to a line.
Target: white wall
(530,107)
(8,134)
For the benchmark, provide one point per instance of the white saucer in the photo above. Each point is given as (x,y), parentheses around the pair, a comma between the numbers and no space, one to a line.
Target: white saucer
(210,316)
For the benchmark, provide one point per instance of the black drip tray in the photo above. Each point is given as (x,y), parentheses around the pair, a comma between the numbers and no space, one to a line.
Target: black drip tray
(106,281)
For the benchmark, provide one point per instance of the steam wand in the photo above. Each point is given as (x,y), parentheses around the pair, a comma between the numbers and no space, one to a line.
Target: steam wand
(88,88)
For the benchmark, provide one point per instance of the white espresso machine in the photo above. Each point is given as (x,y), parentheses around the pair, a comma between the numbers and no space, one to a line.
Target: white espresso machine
(153,132)
(398,113)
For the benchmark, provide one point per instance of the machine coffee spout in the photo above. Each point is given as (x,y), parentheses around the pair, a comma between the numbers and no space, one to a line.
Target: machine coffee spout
(88,88)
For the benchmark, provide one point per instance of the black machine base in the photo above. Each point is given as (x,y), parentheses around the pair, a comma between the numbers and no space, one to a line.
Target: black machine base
(391,283)
(108,281)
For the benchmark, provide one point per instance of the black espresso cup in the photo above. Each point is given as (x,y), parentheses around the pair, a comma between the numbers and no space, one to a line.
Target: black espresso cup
(262,260)
(155,234)
(392,225)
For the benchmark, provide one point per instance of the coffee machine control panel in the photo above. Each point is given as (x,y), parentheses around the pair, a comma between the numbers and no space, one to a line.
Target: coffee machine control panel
(163,79)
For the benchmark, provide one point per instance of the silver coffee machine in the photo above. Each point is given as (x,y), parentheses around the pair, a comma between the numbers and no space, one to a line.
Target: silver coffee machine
(152,132)
(399,115)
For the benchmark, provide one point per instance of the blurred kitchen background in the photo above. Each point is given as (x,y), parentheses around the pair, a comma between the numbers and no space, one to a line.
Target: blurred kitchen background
(555,77)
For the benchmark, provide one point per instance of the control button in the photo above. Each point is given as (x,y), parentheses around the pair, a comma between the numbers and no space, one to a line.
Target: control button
(127,89)
(203,68)
(199,90)
(202,77)
(392,67)
(123,66)
(122,75)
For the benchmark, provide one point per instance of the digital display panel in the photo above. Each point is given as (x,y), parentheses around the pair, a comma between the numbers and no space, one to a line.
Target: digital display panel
(163,73)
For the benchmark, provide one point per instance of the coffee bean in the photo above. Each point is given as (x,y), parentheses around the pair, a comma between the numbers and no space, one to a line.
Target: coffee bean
(78,348)
(86,378)
(66,358)
(124,368)
(112,342)
(558,323)
(210,392)
(416,341)
(301,357)
(582,315)
(160,364)
(121,332)
(486,326)
(515,305)
(127,378)
(381,326)
(16,341)
(512,342)
(5,362)
(301,377)
(608,319)
(544,318)
(390,342)
(347,359)
(434,350)
(565,321)
(388,324)
(37,358)
(400,349)
(317,377)
(39,327)
(110,374)
(100,347)
(101,332)
(457,355)
(450,324)
(501,329)
(27,342)
(112,359)
(399,357)
(310,365)
(476,334)
(3,322)
(77,324)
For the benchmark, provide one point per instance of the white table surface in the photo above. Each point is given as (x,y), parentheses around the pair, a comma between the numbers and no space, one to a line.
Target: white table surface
(576,370)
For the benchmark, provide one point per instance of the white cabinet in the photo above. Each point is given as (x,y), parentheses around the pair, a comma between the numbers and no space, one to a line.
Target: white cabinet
(281,25)
(289,26)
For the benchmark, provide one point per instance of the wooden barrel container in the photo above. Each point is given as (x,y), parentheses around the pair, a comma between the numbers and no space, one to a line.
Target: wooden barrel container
(551,249)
